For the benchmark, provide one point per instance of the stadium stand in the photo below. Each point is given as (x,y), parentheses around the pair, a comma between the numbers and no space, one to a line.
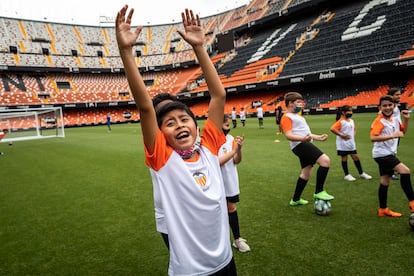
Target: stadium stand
(334,52)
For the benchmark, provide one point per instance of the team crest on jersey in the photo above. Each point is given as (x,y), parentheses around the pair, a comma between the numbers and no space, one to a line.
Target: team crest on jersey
(201,179)
(224,151)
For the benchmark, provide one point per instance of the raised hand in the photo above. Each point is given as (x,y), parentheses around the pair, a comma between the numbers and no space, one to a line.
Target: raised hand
(193,31)
(240,140)
(405,114)
(124,36)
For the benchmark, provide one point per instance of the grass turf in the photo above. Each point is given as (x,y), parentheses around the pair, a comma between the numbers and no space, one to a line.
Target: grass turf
(83,205)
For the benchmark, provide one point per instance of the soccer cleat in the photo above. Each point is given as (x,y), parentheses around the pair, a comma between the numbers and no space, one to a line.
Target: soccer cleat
(411,204)
(301,201)
(394,177)
(386,212)
(241,244)
(349,177)
(365,176)
(323,195)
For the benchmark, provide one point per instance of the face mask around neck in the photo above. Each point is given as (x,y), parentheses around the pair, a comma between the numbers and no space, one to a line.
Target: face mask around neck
(187,154)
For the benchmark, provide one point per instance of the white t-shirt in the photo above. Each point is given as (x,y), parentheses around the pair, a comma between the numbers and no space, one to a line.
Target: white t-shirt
(233,115)
(297,124)
(346,127)
(397,113)
(229,169)
(259,112)
(242,115)
(381,127)
(194,205)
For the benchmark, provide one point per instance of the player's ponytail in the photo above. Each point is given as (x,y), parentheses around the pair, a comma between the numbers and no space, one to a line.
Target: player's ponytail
(342,110)
(338,113)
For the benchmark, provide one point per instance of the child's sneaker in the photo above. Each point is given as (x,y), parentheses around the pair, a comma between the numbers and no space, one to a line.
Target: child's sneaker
(386,212)
(411,204)
(241,244)
(365,176)
(349,177)
(301,201)
(323,195)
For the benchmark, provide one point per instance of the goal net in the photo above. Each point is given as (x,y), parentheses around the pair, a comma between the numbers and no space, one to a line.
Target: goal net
(32,123)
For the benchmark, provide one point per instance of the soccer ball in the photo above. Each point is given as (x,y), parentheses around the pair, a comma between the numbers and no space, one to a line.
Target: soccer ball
(322,207)
(411,220)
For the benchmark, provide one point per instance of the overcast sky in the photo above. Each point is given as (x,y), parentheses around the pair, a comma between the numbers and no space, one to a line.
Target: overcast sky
(92,12)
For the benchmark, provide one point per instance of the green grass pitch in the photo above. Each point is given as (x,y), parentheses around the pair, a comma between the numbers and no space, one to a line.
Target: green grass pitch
(82,205)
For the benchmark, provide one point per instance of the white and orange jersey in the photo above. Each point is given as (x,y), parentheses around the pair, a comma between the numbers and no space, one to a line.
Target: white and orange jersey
(381,127)
(229,169)
(297,124)
(192,197)
(346,126)
(2,134)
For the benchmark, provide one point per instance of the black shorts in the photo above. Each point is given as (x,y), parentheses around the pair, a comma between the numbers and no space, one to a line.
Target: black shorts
(387,164)
(308,153)
(346,152)
(233,199)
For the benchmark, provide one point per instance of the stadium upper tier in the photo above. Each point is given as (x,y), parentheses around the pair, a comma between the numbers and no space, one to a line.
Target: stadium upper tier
(329,36)
(45,44)
(273,44)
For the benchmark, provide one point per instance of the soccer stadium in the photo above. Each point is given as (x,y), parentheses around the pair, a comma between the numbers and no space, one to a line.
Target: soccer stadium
(81,202)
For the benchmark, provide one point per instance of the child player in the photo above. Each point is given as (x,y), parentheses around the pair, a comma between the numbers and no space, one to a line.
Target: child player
(344,128)
(297,131)
(385,133)
(230,155)
(184,167)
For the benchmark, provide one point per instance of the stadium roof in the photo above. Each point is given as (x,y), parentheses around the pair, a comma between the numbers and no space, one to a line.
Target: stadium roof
(95,12)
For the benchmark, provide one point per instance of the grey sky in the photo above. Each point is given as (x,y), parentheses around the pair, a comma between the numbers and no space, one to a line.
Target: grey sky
(92,12)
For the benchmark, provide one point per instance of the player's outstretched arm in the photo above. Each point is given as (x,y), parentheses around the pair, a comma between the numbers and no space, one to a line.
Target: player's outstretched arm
(126,38)
(194,35)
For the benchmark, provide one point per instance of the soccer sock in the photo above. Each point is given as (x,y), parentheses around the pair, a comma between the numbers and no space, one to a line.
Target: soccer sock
(321,175)
(358,166)
(382,196)
(300,186)
(234,224)
(345,167)
(405,181)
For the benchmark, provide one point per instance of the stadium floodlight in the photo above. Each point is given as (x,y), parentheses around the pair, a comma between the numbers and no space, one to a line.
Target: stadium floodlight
(32,123)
